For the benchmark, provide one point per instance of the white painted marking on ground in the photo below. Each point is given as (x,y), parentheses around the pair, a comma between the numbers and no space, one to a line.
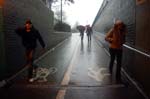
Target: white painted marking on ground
(61,94)
(43,73)
(66,79)
(98,74)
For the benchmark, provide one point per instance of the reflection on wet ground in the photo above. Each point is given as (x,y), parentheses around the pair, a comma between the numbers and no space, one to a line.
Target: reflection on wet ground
(73,70)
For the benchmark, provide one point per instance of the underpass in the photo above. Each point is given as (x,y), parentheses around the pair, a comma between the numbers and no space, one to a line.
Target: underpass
(81,72)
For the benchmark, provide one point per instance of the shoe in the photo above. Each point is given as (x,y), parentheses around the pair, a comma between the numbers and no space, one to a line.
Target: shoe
(31,79)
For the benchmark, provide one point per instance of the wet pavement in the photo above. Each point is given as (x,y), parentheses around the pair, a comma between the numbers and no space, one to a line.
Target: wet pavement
(75,69)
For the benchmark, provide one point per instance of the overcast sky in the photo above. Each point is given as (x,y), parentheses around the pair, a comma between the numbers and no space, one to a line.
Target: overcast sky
(82,11)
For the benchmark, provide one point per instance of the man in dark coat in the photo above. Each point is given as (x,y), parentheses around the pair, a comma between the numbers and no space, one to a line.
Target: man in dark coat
(81,30)
(29,37)
(89,32)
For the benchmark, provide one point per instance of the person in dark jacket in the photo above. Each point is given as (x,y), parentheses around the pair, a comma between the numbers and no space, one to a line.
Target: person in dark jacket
(89,32)
(81,30)
(29,37)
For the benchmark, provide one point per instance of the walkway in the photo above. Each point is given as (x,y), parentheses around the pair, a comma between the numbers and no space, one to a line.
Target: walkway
(73,70)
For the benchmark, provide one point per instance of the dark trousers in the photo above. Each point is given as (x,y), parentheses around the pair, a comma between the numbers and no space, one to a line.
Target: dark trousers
(89,37)
(82,35)
(115,53)
(30,59)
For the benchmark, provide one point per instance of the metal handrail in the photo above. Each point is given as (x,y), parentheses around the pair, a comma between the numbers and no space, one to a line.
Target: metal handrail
(136,50)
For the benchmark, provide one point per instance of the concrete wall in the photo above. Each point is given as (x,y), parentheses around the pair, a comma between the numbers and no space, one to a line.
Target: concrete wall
(2,44)
(15,12)
(136,16)
(117,9)
(142,43)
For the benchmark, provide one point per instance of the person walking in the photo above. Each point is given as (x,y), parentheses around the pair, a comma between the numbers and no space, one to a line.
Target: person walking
(89,32)
(116,38)
(81,30)
(29,36)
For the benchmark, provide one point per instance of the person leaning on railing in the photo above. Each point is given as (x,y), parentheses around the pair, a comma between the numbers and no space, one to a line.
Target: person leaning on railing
(116,38)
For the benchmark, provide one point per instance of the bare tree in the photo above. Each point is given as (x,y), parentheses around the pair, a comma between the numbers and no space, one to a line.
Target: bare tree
(58,15)
(62,2)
